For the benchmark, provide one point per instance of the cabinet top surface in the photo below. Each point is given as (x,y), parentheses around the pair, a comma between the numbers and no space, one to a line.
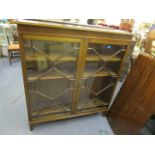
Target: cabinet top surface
(66,25)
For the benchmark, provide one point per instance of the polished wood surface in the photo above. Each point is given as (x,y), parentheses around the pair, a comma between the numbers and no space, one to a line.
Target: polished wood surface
(135,103)
(70,26)
(13,47)
(112,48)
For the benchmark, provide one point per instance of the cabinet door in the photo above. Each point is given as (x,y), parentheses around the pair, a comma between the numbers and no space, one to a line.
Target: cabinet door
(51,70)
(100,74)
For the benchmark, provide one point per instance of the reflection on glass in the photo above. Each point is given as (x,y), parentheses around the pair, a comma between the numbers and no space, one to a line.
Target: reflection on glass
(99,76)
(51,70)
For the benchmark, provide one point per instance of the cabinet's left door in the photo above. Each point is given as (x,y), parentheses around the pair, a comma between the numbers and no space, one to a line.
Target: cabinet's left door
(51,64)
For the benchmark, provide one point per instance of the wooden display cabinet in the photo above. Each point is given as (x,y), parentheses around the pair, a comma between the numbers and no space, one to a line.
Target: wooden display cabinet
(69,70)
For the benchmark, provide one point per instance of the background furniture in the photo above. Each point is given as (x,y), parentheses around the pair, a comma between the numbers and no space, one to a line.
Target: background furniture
(150,38)
(7,32)
(12,48)
(135,102)
(69,70)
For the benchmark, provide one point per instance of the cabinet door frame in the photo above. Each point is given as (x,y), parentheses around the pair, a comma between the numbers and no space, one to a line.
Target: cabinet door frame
(115,42)
(50,38)
(80,69)
(82,61)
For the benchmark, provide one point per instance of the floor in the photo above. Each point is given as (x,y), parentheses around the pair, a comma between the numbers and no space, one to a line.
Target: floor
(149,127)
(13,114)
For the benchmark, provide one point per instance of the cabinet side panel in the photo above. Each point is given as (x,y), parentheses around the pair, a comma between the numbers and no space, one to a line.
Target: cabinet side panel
(24,75)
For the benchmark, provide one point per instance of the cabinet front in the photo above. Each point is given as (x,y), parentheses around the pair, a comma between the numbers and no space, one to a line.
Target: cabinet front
(68,76)
(51,65)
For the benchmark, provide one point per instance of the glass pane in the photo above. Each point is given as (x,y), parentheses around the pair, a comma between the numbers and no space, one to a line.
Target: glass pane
(100,75)
(51,71)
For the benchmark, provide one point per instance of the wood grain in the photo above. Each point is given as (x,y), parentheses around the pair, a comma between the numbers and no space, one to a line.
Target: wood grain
(135,102)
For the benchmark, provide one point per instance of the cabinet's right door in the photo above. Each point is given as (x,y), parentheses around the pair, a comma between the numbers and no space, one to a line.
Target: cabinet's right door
(100,74)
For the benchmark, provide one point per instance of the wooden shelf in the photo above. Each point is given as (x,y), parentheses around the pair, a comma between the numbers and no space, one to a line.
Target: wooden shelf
(50,110)
(34,76)
(99,74)
(104,57)
(53,57)
(67,108)
(96,103)
(50,116)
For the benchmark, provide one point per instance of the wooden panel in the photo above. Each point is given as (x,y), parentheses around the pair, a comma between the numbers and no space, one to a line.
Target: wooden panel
(110,41)
(135,102)
(67,115)
(38,30)
(49,38)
